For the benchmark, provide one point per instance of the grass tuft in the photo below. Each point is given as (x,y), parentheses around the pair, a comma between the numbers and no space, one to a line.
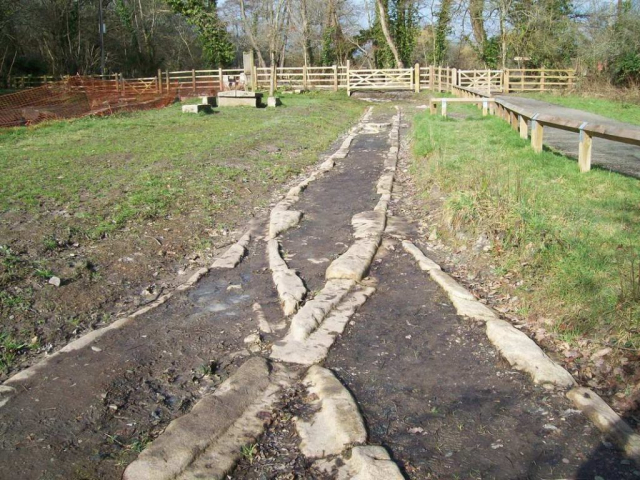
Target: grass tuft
(574,239)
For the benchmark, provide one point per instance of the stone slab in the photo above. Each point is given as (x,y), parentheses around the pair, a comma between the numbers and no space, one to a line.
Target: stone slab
(196,108)
(337,424)
(239,98)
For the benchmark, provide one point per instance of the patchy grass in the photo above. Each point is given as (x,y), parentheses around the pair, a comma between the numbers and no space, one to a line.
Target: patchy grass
(616,110)
(103,203)
(138,166)
(573,239)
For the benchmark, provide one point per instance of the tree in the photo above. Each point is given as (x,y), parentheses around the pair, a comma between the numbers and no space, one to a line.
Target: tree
(305,34)
(250,30)
(441,32)
(383,16)
(400,23)
(212,31)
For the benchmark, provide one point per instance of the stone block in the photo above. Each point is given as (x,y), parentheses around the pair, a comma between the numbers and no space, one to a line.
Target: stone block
(196,108)
(211,101)
(239,98)
(273,102)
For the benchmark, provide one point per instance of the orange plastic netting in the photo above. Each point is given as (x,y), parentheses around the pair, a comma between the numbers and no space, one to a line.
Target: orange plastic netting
(77,97)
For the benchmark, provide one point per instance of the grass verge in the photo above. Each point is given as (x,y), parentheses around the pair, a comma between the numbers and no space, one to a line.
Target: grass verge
(572,239)
(620,111)
(110,205)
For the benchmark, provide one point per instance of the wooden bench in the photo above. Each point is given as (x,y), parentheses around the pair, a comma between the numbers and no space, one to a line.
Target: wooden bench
(488,104)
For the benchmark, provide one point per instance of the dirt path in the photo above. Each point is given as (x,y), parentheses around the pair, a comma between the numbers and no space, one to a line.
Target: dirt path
(218,375)
(607,154)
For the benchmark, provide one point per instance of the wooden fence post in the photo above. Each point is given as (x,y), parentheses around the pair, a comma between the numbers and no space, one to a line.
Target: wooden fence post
(348,79)
(454,78)
(115,79)
(416,76)
(273,80)
(444,108)
(193,79)
(488,74)
(220,76)
(335,78)
(537,131)
(584,150)
(524,127)
(166,76)
(485,108)
(522,72)
(571,73)
(542,80)
(513,120)
(254,78)
(159,81)
(505,81)
(304,77)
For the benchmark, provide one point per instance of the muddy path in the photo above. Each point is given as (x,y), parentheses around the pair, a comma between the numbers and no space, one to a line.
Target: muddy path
(436,393)
(372,370)
(90,412)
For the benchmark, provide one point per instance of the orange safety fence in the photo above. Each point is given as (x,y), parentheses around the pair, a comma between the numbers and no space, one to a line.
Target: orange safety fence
(80,96)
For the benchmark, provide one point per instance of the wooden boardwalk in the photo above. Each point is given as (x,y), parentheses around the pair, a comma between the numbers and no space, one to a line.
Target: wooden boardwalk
(607,154)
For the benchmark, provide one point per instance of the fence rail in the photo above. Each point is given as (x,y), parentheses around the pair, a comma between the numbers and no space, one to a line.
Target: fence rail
(335,77)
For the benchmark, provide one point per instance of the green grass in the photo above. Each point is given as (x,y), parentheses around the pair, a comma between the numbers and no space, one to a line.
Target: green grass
(108,171)
(616,110)
(87,190)
(574,239)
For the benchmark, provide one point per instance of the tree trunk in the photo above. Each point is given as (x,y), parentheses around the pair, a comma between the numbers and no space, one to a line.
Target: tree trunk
(285,32)
(440,37)
(306,42)
(503,34)
(476,12)
(249,32)
(384,23)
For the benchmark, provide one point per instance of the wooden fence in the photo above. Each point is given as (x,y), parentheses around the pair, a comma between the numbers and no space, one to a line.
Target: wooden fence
(540,80)
(337,77)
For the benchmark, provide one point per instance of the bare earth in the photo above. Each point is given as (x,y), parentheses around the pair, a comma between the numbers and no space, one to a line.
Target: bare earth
(431,388)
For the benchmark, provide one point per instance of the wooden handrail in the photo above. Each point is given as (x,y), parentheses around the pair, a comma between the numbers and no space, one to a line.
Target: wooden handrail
(517,116)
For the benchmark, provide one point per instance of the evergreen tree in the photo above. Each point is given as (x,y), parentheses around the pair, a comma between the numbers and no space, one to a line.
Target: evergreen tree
(212,31)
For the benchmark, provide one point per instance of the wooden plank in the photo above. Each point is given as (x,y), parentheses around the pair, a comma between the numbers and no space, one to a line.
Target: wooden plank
(348,79)
(464,100)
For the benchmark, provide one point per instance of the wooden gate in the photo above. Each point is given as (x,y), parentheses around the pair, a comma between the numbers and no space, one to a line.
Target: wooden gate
(386,79)
(483,80)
